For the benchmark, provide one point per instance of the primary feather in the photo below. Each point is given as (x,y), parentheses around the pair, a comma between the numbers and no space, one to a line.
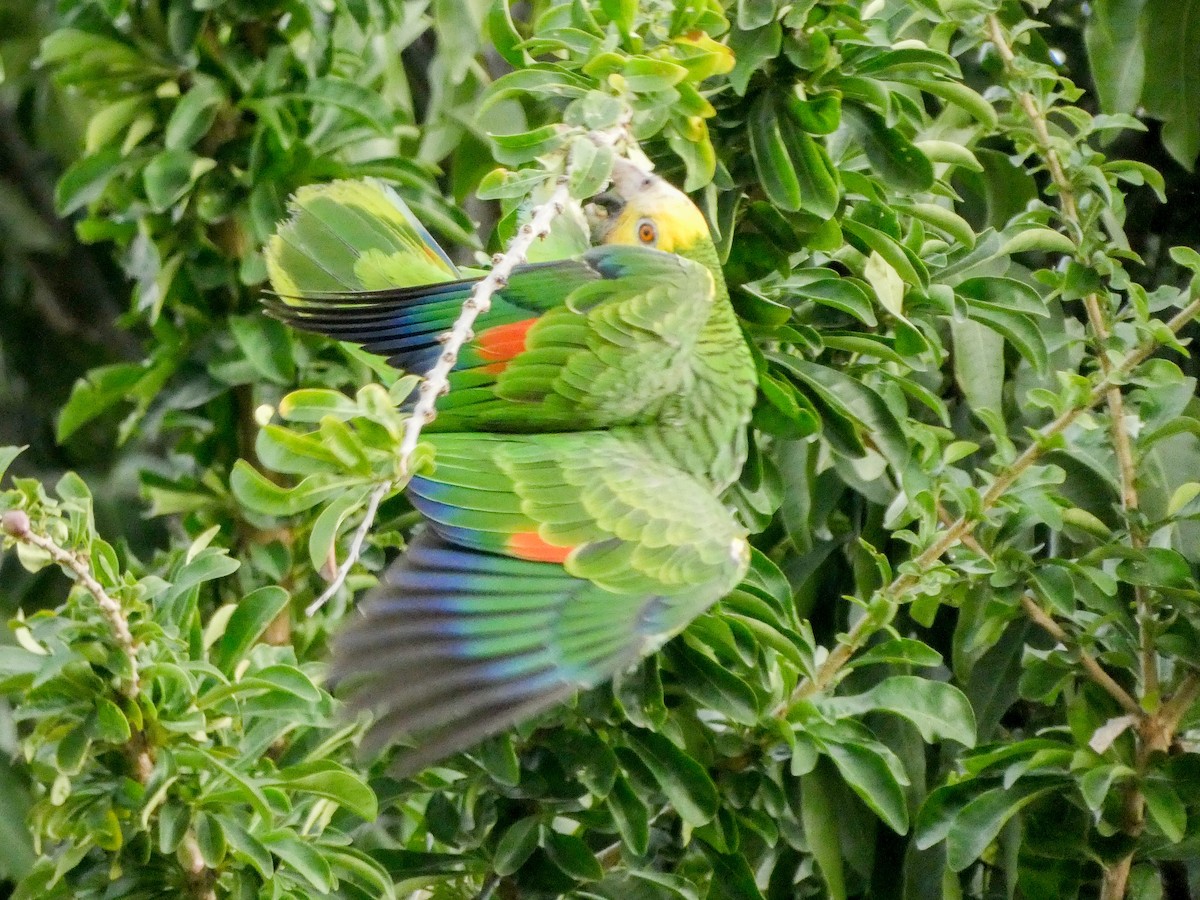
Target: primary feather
(573,520)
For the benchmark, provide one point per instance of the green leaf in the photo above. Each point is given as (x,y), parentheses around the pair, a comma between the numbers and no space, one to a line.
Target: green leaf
(685,782)
(630,816)
(1172,82)
(573,856)
(820,114)
(871,777)
(499,757)
(1166,809)
(1046,240)
(751,50)
(250,619)
(818,814)
(771,156)
(939,710)
(902,651)
(963,97)
(86,180)
(755,13)
(978,363)
(943,219)
(210,838)
(516,845)
(1157,567)
(257,492)
(1116,53)
(866,238)
(194,114)
(246,846)
(732,878)
(714,686)
(323,537)
(978,823)
(352,98)
(892,156)
(589,168)
(96,392)
(354,865)
(849,395)
(313,404)
(267,344)
(111,724)
(820,184)
(951,154)
(169,175)
(544,80)
(328,779)
(526,146)
(7,455)
(304,858)
(645,74)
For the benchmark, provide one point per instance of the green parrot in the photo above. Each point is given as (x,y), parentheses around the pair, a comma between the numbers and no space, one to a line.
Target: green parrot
(573,520)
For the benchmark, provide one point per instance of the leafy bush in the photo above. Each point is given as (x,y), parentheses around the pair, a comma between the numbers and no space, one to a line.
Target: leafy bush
(963,661)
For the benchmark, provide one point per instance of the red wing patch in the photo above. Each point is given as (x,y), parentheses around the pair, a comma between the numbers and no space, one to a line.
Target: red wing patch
(503,343)
(529,545)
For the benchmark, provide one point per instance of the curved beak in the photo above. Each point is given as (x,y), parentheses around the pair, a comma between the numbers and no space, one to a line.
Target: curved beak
(628,180)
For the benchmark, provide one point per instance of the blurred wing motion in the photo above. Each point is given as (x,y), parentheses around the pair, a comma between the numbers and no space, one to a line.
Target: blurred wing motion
(549,563)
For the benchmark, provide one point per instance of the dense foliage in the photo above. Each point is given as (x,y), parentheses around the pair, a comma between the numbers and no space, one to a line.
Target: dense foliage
(964,661)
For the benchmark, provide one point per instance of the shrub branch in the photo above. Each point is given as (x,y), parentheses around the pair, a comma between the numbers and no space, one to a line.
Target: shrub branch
(1046,622)
(887,598)
(1101,328)
(15,523)
(17,526)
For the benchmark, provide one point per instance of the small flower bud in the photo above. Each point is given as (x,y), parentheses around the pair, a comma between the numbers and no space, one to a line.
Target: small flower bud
(15,523)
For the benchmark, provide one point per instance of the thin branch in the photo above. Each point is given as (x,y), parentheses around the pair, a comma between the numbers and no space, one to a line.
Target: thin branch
(489,887)
(199,875)
(15,524)
(1094,671)
(1174,709)
(1046,622)
(356,545)
(961,528)
(436,380)
(1101,330)
(1115,879)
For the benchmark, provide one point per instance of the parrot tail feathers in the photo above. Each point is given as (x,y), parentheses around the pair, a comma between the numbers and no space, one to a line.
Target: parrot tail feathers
(458,644)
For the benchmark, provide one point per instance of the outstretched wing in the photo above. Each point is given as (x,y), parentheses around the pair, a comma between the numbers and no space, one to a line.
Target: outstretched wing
(549,563)
(568,344)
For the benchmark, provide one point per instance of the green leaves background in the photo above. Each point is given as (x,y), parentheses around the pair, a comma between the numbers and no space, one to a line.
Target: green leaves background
(903,259)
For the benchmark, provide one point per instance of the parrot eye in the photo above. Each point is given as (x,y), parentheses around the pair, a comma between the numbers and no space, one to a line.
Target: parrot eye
(646,232)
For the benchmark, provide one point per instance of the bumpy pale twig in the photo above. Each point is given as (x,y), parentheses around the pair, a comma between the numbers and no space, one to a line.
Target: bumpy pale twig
(16,524)
(480,301)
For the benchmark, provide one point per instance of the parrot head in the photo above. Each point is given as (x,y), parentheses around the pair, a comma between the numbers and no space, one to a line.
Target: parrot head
(644,210)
